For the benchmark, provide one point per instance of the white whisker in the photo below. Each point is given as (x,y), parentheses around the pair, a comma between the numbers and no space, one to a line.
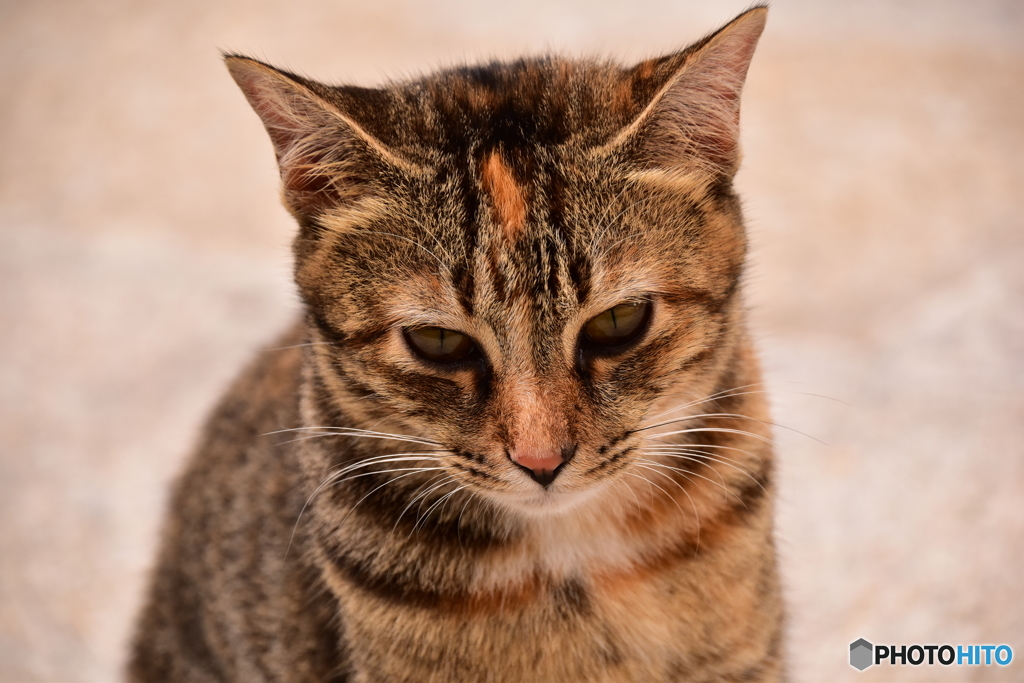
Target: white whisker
(458,524)
(685,453)
(692,459)
(688,473)
(672,498)
(696,515)
(430,509)
(698,416)
(332,479)
(635,499)
(359,502)
(391,457)
(357,433)
(722,430)
(418,494)
(731,416)
(725,393)
(669,444)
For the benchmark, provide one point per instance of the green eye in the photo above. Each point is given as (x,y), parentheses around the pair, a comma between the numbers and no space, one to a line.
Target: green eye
(618,325)
(438,344)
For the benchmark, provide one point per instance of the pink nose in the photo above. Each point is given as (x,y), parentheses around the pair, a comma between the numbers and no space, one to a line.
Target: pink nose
(541,465)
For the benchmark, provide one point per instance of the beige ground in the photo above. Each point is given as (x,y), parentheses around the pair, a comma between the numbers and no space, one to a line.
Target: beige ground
(143,257)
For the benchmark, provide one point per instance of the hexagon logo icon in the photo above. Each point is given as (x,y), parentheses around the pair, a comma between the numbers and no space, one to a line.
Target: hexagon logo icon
(861,652)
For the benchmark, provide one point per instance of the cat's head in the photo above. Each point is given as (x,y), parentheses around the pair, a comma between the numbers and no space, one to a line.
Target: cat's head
(520,261)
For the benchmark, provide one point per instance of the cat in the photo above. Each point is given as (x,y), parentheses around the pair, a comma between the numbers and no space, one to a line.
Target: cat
(518,434)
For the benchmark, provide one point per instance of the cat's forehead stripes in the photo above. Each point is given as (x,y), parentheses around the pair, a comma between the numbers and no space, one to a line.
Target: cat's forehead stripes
(505,194)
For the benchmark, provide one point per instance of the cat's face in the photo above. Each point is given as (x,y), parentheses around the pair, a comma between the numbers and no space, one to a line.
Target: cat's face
(522,262)
(535,349)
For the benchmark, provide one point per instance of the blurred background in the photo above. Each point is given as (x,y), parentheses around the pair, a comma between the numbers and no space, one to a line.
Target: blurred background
(144,258)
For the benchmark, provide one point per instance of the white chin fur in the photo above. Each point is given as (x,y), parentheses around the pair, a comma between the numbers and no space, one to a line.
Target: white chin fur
(546,502)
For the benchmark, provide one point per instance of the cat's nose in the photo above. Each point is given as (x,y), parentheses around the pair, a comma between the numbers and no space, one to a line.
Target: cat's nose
(542,466)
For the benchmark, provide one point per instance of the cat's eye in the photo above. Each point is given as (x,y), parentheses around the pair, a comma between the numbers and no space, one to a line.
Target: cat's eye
(618,325)
(438,344)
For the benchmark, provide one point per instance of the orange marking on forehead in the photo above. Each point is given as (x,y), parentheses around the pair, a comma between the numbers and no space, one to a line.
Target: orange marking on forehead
(505,194)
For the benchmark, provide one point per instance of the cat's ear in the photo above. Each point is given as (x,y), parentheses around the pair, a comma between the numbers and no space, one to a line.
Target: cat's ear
(326,158)
(693,118)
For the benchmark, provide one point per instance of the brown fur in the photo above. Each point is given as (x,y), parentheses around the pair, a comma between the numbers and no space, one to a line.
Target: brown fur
(355,512)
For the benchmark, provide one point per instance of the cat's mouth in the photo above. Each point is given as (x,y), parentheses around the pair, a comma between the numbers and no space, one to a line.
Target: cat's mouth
(545,502)
(552,499)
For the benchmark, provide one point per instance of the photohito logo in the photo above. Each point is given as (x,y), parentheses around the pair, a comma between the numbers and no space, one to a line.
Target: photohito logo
(863,654)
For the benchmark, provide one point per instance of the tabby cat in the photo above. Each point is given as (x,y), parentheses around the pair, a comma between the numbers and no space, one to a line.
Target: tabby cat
(517,435)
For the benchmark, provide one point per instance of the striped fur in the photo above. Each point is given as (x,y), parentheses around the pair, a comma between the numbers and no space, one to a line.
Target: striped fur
(511,202)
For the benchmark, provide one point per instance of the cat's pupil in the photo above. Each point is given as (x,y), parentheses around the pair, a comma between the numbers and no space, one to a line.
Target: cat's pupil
(618,325)
(438,344)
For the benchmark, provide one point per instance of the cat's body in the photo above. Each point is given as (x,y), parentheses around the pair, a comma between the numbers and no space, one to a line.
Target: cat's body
(530,272)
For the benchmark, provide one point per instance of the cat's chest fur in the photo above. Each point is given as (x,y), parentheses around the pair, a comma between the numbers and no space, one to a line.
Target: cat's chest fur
(569,614)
